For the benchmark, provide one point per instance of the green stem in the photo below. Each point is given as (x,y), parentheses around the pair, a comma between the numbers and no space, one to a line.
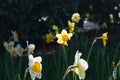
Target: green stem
(68,70)
(19,78)
(89,53)
(7,70)
(20,62)
(56,65)
(65,55)
(12,61)
(25,74)
(117,49)
(74,76)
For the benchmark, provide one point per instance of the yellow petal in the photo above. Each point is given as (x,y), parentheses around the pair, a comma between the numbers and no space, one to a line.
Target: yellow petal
(104,42)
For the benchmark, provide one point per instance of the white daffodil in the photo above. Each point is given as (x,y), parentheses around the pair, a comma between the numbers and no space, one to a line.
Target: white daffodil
(15,35)
(30,48)
(19,50)
(13,52)
(9,45)
(35,67)
(75,17)
(79,66)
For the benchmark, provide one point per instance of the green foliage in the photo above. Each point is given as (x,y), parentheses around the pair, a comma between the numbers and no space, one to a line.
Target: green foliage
(23,16)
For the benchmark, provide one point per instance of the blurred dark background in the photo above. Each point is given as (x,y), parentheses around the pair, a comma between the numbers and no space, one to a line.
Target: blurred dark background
(23,16)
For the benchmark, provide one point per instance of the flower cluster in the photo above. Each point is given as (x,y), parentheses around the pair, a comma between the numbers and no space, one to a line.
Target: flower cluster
(11,46)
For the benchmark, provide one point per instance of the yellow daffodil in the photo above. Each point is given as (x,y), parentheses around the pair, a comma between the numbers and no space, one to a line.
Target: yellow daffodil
(15,35)
(9,45)
(19,50)
(30,48)
(49,37)
(79,66)
(71,26)
(55,28)
(63,37)
(104,38)
(35,67)
(75,17)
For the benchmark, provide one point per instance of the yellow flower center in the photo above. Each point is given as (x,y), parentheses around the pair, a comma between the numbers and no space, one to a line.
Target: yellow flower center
(13,53)
(50,38)
(80,67)
(9,46)
(36,67)
(65,38)
(20,50)
(75,17)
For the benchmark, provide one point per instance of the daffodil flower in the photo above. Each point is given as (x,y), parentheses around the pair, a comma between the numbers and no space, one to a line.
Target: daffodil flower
(75,17)
(30,48)
(15,35)
(9,45)
(104,38)
(49,37)
(19,50)
(79,66)
(63,37)
(35,67)
(13,52)
(71,26)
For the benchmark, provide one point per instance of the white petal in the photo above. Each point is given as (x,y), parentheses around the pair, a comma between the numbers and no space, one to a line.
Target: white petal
(32,74)
(5,44)
(84,64)
(39,59)
(31,47)
(30,57)
(18,45)
(39,75)
(81,75)
(58,35)
(11,42)
(77,56)
(76,70)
